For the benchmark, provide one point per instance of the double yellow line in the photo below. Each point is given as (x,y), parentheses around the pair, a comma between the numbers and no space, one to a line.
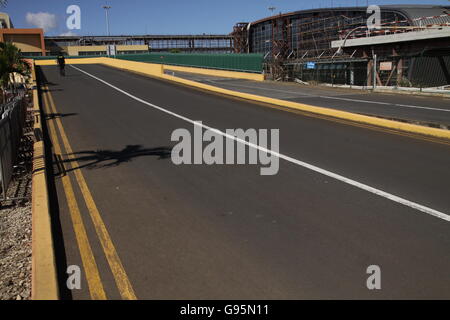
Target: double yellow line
(93,278)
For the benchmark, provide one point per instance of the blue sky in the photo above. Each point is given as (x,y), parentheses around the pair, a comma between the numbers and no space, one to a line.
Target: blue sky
(165,16)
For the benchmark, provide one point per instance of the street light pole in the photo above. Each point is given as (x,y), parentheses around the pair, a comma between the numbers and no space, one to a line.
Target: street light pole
(107,19)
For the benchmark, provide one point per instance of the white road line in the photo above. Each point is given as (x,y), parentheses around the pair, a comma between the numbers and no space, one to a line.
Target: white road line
(260,88)
(330,174)
(337,98)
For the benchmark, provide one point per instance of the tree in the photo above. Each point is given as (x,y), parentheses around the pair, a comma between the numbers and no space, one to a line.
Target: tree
(11,63)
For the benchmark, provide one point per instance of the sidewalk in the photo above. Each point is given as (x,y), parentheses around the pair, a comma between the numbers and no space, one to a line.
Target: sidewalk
(436,91)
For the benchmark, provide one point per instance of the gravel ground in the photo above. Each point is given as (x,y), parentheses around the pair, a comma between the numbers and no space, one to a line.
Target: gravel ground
(15,252)
(15,226)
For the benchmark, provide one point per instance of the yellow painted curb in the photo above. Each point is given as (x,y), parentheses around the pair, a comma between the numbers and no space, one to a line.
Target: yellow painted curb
(218,73)
(44,283)
(52,62)
(142,67)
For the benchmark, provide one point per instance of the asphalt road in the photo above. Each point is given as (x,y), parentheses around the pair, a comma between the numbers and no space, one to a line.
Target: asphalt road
(413,108)
(225,231)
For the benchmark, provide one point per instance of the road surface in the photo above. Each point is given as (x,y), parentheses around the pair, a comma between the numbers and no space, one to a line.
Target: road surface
(141,227)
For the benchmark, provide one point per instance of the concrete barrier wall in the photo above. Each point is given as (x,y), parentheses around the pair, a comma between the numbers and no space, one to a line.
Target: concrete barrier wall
(52,62)
(218,73)
(148,68)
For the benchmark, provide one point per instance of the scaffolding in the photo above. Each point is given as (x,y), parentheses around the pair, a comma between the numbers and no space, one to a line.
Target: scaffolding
(307,36)
(240,37)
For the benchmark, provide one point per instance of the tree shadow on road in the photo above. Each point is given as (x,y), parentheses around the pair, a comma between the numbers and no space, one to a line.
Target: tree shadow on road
(50,116)
(97,159)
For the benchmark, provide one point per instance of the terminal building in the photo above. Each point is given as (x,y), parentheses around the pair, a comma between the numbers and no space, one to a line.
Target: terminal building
(129,44)
(312,31)
(300,44)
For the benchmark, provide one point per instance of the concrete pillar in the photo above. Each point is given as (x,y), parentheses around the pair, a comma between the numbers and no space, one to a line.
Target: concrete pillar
(399,70)
(369,72)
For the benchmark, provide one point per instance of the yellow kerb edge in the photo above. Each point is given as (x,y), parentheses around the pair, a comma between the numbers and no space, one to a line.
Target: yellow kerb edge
(44,284)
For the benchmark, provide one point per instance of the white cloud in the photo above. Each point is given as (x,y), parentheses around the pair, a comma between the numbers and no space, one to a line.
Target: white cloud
(44,20)
(68,34)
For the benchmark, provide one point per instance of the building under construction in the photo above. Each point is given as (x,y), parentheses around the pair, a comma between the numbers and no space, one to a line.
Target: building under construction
(304,45)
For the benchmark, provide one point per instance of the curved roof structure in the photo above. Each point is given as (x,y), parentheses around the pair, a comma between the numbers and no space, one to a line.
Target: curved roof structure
(434,14)
(302,32)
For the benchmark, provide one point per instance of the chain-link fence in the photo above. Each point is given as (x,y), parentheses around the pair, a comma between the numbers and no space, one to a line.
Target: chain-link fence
(429,71)
(424,71)
(346,73)
(11,129)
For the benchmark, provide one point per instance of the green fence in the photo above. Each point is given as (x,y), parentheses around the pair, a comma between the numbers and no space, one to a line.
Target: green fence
(233,62)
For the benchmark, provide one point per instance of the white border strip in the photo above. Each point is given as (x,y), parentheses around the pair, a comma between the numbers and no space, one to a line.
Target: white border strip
(330,174)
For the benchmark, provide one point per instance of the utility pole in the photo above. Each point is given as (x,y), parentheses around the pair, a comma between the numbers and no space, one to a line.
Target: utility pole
(107,18)
(374,71)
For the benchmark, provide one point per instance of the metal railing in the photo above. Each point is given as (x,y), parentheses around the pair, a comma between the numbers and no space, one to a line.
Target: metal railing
(12,120)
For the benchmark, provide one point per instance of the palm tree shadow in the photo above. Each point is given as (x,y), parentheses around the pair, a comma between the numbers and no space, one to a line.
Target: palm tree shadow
(97,159)
(50,116)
